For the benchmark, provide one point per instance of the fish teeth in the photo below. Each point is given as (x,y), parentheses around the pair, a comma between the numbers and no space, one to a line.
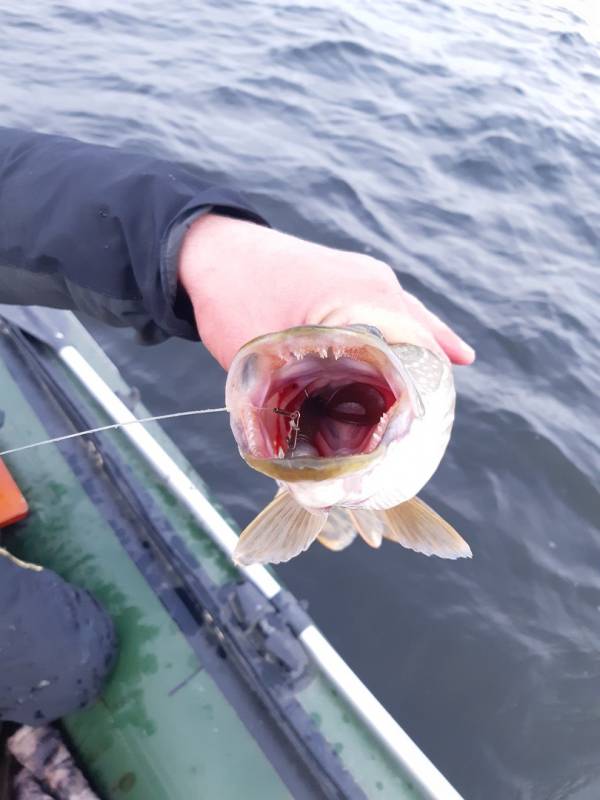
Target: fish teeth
(250,427)
(322,352)
(377,434)
(280,453)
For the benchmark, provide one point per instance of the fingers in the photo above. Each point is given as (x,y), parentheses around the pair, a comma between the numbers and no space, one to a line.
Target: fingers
(457,350)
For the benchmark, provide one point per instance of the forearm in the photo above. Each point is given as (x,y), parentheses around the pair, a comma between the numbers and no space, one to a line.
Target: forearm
(98,230)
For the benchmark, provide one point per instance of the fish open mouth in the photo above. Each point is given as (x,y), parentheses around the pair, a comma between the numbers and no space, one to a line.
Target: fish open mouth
(325,407)
(316,399)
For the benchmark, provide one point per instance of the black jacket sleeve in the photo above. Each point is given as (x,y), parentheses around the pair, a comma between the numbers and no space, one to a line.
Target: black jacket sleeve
(98,230)
(54,637)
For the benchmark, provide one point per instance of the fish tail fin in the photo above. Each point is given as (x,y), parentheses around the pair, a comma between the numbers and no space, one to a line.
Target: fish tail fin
(339,531)
(344,523)
(282,530)
(369,524)
(416,526)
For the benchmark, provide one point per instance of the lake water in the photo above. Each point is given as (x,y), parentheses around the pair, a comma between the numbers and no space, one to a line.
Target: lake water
(460,141)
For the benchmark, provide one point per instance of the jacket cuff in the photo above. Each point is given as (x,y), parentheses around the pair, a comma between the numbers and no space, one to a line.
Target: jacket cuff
(179,319)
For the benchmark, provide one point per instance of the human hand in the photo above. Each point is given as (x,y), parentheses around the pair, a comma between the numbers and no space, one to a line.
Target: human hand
(245,280)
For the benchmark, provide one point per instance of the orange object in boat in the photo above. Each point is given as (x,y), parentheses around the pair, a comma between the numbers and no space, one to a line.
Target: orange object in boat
(13,505)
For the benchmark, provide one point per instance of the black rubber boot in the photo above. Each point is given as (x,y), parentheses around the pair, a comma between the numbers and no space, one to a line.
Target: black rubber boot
(57,645)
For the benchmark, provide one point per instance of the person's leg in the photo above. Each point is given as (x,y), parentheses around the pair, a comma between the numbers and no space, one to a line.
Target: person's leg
(57,645)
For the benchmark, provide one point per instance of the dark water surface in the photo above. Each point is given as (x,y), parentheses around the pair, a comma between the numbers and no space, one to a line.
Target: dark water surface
(460,141)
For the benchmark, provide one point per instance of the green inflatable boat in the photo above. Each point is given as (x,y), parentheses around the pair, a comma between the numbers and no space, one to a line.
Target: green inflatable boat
(224,688)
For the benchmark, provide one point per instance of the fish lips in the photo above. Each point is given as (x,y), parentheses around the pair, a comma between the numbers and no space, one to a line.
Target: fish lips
(309,468)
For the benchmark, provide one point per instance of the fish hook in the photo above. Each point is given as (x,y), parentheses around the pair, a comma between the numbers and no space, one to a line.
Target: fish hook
(294,417)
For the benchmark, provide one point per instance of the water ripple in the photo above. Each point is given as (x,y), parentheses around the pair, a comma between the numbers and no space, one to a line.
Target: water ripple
(458,141)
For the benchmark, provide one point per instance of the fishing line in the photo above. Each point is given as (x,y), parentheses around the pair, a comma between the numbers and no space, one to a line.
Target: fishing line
(113,426)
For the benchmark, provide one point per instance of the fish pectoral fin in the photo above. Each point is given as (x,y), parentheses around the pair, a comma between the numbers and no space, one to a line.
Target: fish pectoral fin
(416,526)
(339,531)
(281,531)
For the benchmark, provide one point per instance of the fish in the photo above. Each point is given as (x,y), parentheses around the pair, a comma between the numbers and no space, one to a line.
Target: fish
(351,428)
